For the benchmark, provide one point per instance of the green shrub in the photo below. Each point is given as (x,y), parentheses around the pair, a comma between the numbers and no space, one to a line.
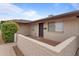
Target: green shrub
(8,29)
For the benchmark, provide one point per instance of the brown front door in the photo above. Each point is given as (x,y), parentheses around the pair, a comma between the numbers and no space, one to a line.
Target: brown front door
(41,30)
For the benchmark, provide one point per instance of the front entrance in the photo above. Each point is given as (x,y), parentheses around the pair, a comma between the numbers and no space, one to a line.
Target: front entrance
(41,29)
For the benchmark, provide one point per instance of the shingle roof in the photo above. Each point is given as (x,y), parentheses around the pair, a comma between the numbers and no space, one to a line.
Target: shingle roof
(21,20)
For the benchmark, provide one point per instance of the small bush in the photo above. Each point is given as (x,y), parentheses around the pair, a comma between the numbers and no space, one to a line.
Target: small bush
(8,29)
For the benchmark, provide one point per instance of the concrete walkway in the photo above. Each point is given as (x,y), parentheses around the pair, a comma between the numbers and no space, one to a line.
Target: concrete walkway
(7,49)
(1,40)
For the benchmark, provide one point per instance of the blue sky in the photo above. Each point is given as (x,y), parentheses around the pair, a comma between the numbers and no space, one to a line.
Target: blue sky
(48,8)
(34,11)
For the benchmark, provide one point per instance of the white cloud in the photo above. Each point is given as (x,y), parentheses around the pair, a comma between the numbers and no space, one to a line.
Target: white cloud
(10,11)
(9,8)
(32,14)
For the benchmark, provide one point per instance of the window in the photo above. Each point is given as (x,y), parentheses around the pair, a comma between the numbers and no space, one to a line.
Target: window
(56,27)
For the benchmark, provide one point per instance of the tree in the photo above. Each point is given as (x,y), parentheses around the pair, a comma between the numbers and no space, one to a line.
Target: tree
(8,29)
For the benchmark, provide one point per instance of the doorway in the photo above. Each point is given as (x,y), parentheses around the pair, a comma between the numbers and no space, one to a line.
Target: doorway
(41,29)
